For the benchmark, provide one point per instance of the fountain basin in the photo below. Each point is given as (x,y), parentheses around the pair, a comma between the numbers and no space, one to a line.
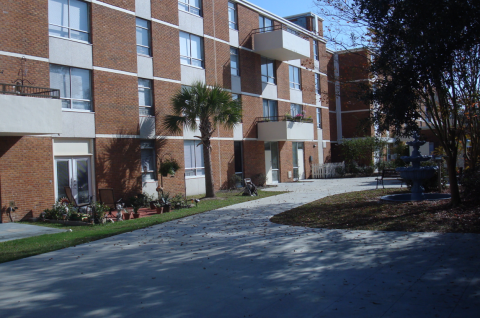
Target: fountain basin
(408,197)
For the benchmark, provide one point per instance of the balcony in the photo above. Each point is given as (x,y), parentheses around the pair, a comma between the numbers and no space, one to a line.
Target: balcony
(280,43)
(28,110)
(284,128)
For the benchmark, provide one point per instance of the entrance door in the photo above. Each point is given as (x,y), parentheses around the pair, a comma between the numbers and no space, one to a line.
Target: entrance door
(271,162)
(73,172)
(298,162)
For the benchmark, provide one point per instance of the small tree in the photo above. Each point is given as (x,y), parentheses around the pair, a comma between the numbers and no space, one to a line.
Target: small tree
(211,106)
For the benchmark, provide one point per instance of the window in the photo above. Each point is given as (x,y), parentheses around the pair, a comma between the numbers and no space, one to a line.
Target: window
(192,6)
(143,37)
(148,160)
(191,49)
(317,84)
(265,24)
(145,100)
(295,110)
(316,56)
(268,74)
(234,67)
(232,16)
(69,19)
(270,109)
(294,77)
(319,117)
(74,85)
(193,154)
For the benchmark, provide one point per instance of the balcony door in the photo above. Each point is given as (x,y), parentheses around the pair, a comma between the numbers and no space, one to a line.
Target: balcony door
(271,162)
(74,172)
(298,161)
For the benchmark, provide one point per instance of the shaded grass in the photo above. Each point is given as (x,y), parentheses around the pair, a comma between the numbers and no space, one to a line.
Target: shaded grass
(363,210)
(21,248)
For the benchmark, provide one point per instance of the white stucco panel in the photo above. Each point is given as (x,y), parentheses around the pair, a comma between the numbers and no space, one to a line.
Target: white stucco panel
(78,124)
(192,74)
(190,23)
(70,53)
(143,9)
(145,66)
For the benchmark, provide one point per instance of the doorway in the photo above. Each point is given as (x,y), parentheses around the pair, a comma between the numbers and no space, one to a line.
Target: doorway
(298,161)
(75,173)
(271,162)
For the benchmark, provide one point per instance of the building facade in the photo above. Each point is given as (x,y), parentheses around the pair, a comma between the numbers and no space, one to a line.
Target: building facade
(87,84)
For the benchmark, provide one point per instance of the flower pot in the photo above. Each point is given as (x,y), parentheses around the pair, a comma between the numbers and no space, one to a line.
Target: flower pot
(127,216)
(159,210)
(152,205)
(166,208)
(136,215)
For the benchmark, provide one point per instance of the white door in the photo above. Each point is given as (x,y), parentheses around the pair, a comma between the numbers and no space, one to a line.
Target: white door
(301,161)
(271,162)
(75,173)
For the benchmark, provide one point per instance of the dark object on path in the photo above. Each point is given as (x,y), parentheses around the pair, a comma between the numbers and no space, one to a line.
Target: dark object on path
(250,188)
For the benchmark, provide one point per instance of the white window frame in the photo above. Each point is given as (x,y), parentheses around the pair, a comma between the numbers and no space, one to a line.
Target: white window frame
(68,26)
(232,12)
(316,55)
(148,90)
(196,171)
(148,173)
(270,109)
(190,58)
(263,24)
(70,100)
(319,118)
(295,77)
(186,5)
(234,55)
(268,78)
(317,84)
(296,109)
(148,28)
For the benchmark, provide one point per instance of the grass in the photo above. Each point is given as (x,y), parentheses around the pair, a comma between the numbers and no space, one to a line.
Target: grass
(21,248)
(364,211)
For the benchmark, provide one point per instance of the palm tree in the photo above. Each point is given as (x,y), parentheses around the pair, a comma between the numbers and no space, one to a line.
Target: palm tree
(210,107)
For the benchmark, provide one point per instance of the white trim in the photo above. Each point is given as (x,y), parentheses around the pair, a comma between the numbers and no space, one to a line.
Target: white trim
(113,7)
(250,139)
(116,136)
(222,138)
(165,23)
(246,49)
(166,80)
(98,68)
(355,111)
(29,57)
(250,94)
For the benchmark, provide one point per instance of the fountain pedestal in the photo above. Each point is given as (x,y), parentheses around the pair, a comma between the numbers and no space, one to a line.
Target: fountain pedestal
(417,174)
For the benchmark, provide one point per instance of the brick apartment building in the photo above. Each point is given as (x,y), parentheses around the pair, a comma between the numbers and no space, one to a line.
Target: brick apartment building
(115,65)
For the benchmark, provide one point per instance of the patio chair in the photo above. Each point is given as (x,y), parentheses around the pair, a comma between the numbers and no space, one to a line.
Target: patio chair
(107,197)
(68,192)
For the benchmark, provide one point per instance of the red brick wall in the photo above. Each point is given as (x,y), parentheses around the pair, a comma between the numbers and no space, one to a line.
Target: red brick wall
(286,160)
(283,83)
(251,72)
(114,39)
(172,148)
(116,103)
(38,72)
(333,126)
(26,175)
(124,4)
(166,51)
(118,166)
(220,52)
(252,108)
(216,10)
(165,10)
(223,162)
(308,86)
(353,124)
(163,92)
(253,158)
(247,21)
(25,27)
(353,66)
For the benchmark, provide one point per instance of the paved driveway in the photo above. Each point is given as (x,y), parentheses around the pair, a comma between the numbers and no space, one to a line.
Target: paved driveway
(233,262)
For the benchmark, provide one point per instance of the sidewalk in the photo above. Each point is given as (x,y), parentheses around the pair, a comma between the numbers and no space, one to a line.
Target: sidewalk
(233,262)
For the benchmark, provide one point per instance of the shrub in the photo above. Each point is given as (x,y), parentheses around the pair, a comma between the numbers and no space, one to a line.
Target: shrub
(471,185)
(259,179)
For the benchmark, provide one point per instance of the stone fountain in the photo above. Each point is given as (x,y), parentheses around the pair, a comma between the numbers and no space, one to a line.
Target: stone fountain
(417,174)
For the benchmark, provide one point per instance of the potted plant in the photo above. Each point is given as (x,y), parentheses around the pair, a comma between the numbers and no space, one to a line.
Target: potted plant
(99,212)
(159,207)
(169,166)
(165,201)
(178,201)
(137,202)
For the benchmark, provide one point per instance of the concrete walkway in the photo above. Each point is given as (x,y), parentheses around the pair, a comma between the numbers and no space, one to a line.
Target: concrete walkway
(15,231)
(233,262)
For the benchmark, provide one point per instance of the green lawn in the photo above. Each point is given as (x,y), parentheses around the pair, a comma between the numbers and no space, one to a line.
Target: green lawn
(12,250)
(363,210)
